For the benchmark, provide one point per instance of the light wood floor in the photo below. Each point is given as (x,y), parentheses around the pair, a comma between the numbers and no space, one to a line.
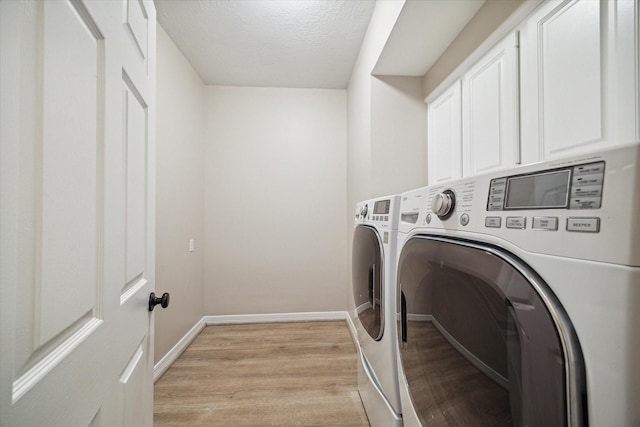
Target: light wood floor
(266,374)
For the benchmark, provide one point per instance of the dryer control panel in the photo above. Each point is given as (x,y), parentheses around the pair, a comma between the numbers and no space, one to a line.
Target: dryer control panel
(584,207)
(577,187)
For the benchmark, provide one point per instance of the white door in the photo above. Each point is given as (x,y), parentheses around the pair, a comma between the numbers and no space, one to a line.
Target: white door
(76,212)
(444,135)
(490,113)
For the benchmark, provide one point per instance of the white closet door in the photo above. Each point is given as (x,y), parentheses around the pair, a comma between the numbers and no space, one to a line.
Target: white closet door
(77,212)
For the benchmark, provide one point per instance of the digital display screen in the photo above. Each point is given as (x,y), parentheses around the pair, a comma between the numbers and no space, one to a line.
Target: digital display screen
(545,190)
(381,207)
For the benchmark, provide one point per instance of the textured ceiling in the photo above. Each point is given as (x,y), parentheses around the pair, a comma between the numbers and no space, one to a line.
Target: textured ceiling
(273,43)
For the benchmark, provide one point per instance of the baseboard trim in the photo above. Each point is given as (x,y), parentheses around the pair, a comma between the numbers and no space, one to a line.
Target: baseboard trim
(275,317)
(171,356)
(352,330)
(175,352)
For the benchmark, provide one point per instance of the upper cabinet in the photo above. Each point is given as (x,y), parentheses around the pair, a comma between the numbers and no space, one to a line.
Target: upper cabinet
(444,135)
(579,77)
(473,125)
(564,82)
(490,110)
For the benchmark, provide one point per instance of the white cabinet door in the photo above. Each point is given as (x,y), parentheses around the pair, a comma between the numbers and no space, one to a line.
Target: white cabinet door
(580,85)
(490,110)
(77,212)
(445,136)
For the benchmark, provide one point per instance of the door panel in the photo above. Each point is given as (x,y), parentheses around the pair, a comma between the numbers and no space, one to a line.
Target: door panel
(445,136)
(137,23)
(579,77)
(570,52)
(67,220)
(132,384)
(136,143)
(76,218)
(58,225)
(490,110)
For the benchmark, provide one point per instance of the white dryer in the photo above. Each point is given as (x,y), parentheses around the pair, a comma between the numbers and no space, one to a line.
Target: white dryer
(518,295)
(373,280)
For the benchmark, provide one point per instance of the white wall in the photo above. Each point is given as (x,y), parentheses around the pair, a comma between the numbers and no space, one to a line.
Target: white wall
(277,212)
(180,194)
(275,200)
(398,135)
(386,126)
(359,106)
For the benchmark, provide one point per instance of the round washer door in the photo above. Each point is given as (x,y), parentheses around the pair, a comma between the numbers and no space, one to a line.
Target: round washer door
(367,270)
(483,340)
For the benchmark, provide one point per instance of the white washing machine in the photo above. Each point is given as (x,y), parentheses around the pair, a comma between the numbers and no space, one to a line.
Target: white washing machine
(373,280)
(519,296)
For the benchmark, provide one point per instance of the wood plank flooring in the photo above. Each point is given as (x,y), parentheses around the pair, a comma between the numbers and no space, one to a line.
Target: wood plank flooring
(263,374)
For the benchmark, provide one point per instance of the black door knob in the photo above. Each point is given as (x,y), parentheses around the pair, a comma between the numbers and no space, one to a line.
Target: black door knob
(154,300)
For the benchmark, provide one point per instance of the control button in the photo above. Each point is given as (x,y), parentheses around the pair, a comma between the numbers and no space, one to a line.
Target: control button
(386,218)
(495,206)
(464,219)
(493,222)
(585,225)
(516,222)
(589,169)
(594,179)
(496,199)
(494,191)
(545,223)
(428,219)
(585,203)
(587,191)
(498,182)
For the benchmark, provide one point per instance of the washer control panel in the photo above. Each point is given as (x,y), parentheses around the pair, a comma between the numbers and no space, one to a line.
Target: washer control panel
(381,212)
(575,187)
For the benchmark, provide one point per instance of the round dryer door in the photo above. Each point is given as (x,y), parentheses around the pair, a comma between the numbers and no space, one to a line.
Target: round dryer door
(367,279)
(483,340)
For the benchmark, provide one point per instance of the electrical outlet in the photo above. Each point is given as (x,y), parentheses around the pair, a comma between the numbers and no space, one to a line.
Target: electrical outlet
(192,245)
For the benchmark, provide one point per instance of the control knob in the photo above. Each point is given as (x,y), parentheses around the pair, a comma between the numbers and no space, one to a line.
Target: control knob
(364,210)
(443,204)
